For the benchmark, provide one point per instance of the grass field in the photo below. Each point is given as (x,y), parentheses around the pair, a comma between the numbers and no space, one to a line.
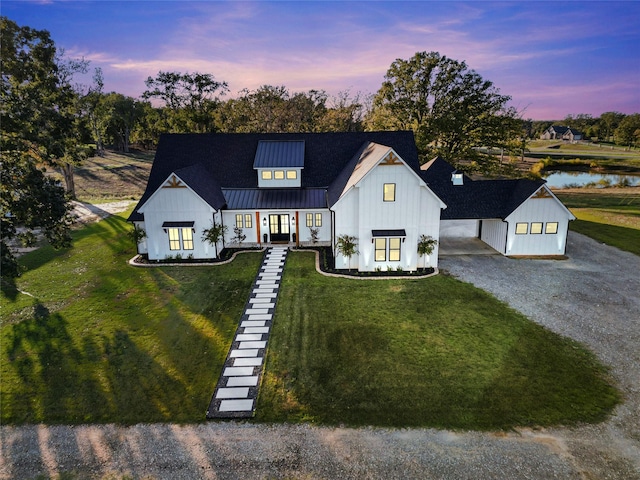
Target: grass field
(610,216)
(116,176)
(432,353)
(92,340)
(95,340)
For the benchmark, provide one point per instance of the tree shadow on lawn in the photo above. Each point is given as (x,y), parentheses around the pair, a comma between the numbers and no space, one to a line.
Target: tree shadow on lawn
(98,378)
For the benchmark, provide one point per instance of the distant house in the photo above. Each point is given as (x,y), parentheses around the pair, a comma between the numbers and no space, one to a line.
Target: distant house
(279,188)
(556,132)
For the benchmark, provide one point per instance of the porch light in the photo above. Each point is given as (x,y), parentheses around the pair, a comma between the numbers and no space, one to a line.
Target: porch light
(293,221)
(264,222)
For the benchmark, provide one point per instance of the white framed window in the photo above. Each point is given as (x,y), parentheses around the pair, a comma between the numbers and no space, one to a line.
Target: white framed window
(267,175)
(309,219)
(247,221)
(239,220)
(536,228)
(522,228)
(551,228)
(318,219)
(389,192)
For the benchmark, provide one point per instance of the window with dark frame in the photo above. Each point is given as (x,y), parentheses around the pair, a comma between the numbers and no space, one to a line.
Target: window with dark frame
(389,192)
(394,249)
(522,228)
(239,220)
(380,249)
(551,228)
(309,219)
(247,221)
(318,219)
(187,239)
(174,238)
(536,228)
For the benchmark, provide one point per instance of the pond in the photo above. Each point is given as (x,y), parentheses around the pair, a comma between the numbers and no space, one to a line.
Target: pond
(559,179)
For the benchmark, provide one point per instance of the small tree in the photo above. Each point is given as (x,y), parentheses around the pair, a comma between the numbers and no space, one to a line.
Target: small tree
(314,234)
(137,234)
(238,236)
(214,234)
(426,244)
(347,246)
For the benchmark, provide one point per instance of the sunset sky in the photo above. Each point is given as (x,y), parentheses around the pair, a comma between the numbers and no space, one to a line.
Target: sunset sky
(552,58)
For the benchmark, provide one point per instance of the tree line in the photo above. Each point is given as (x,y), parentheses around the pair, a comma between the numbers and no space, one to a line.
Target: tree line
(51,121)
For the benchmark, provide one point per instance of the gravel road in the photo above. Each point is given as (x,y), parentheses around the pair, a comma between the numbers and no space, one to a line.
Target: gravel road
(593,297)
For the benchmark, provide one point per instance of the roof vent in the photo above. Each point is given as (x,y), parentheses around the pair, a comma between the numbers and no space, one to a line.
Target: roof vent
(457,178)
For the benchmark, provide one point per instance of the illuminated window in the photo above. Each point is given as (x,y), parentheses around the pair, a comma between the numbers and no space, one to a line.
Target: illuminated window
(247,220)
(278,175)
(174,239)
(381,249)
(536,228)
(318,219)
(292,174)
(394,249)
(522,228)
(239,220)
(187,239)
(389,192)
(266,175)
(309,219)
(551,228)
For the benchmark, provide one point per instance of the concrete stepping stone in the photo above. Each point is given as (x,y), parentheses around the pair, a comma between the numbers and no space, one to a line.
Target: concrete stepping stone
(237,388)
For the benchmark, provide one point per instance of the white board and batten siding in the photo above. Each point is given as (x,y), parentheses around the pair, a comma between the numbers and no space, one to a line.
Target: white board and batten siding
(459,228)
(541,208)
(175,202)
(362,209)
(494,234)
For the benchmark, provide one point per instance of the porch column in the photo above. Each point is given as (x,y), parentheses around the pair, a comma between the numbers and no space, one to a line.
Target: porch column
(297,230)
(258,228)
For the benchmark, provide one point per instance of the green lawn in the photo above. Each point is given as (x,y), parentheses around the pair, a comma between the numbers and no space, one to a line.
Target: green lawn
(98,341)
(429,353)
(611,217)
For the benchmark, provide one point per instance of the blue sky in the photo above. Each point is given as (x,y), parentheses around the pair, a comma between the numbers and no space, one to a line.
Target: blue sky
(552,58)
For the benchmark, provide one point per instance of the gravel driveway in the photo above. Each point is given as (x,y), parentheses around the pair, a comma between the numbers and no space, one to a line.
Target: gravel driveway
(593,297)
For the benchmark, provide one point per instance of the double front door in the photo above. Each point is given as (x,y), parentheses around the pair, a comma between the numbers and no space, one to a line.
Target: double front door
(279,228)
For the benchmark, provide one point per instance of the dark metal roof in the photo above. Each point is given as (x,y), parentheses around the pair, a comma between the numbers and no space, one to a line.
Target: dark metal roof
(389,233)
(476,199)
(178,224)
(276,154)
(228,158)
(256,198)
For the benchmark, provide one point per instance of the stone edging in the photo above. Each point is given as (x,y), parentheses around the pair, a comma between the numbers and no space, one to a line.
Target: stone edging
(318,269)
(354,277)
(133,263)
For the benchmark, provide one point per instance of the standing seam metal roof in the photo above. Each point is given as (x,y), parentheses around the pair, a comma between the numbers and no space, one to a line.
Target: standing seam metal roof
(274,154)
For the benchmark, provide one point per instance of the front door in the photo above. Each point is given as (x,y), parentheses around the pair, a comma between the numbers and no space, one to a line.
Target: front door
(279,228)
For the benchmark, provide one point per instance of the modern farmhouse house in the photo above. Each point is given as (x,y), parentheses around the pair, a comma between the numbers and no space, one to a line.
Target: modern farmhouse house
(313,187)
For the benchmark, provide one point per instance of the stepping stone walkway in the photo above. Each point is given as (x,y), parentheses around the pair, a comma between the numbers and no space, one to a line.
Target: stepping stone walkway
(237,389)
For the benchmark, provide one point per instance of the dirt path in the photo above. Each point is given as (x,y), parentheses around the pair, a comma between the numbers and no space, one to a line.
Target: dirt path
(592,297)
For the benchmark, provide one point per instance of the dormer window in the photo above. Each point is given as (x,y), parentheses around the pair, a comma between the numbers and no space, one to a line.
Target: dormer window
(457,178)
(279,164)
